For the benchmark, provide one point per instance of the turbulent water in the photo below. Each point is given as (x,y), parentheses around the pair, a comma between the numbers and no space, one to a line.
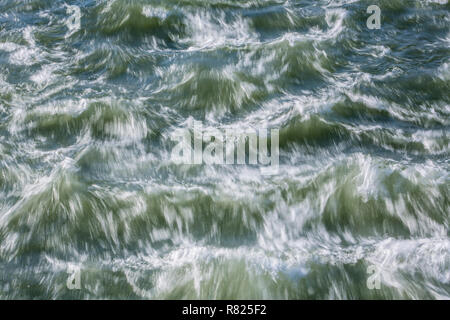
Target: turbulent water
(91,92)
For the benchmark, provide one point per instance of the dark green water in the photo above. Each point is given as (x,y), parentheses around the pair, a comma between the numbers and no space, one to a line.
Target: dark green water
(87,182)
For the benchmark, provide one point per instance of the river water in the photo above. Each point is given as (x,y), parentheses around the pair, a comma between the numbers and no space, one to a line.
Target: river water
(93,206)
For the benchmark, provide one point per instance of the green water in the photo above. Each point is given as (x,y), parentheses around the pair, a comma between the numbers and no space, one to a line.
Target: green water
(87,183)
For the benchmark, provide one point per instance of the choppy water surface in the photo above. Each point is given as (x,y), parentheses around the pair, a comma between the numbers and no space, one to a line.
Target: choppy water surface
(86,115)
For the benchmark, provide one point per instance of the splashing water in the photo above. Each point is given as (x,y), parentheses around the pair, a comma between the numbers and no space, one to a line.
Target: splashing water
(91,91)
